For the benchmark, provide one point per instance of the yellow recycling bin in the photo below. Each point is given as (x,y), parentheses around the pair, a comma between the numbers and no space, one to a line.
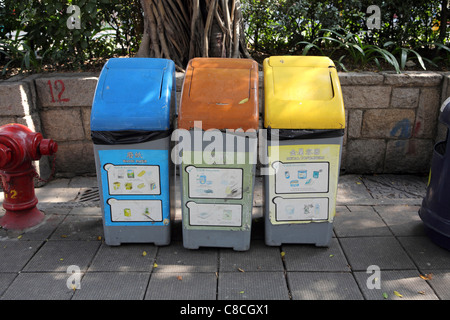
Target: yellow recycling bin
(305,119)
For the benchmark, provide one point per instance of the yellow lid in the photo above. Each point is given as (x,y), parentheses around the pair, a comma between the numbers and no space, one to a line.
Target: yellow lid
(302,92)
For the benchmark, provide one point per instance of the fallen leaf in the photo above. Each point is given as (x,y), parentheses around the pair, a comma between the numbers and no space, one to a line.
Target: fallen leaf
(331,255)
(19,237)
(385,295)
(241,292)
(358,182)
(243,101)
(63,236)
(241,270)
(398,294)
(144,253)
(155,265)
(421,292)
(179,278)
(282,254)
(61,259)
(427,276)
(99,238)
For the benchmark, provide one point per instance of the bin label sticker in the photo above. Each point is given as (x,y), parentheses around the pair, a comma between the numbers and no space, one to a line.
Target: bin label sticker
(217,183)
(302,183)
(127,180)
(213,214)
(135,187)
(303,209)
(301,177)
(136,210)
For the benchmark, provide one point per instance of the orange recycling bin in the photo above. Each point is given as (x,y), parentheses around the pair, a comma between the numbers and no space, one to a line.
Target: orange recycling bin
(221,93)
(220,114)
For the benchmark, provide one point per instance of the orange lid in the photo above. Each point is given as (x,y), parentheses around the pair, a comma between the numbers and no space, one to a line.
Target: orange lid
(222,93)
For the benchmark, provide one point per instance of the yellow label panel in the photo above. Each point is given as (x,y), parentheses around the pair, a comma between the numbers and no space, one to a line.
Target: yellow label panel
(303,183)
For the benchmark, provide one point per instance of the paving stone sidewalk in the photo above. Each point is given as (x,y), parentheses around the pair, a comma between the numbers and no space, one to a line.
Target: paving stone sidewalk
(376,224)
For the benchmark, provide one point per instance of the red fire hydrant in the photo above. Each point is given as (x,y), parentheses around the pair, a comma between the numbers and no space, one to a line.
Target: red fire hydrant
(19,146)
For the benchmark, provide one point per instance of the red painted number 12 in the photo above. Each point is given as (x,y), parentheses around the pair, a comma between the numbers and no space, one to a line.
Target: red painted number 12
(59,88)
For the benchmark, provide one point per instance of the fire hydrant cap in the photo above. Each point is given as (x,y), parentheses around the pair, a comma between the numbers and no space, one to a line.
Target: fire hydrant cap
(5,155)
(48,147)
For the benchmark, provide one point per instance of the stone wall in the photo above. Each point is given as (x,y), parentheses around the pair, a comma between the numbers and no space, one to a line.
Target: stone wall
(391,119)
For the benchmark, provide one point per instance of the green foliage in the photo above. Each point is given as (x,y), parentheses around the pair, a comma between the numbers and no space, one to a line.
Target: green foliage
(338,28)
(107,28)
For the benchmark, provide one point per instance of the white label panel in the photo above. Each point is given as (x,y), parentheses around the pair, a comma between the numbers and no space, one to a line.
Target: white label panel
(296,177)
(301,209)
(215,183)
(133,180)
(135,210)
(205,214)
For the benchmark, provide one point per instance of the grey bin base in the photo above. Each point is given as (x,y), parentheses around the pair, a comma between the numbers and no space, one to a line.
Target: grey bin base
(318,233)
(115,236)
(238,240)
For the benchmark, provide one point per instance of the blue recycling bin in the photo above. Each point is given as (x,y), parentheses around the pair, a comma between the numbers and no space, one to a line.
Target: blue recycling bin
(435,209)
(131,123)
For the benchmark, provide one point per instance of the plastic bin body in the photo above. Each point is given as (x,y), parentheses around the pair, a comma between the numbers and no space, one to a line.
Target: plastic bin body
(435,209)
(305,116)
(217,195)
(131,125)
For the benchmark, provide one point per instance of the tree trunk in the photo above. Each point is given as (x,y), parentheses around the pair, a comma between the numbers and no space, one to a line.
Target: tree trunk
(183,29)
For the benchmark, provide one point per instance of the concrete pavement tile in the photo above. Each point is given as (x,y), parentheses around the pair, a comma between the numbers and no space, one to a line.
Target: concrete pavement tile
(351,189)
(425,253)
(16,253)
(57,190)
(252,286)
(406,282)
(86,211)
(440,282)
(312,258)
(83,182)
(360,221)
(182,286)
(57,256)
(323,286)
(124,258)
(391,186)
(41,231)
(112,286)
(39,286)
(385,252)
(403,220)
(5,280)
(258,258)
(78,227)
(176,258)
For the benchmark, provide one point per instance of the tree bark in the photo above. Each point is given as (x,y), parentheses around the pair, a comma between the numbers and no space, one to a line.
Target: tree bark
(181,30)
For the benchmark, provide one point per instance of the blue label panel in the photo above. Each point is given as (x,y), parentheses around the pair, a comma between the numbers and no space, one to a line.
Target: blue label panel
(135,187)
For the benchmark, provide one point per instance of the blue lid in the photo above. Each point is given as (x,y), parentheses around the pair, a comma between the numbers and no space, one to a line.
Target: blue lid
(134,94)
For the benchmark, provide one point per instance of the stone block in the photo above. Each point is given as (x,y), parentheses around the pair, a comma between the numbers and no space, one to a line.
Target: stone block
(74,158)
(413,79)
(354,123)
(15,99)
(360,78)
(63,124)
(388,123)
(59,90)
(408,156)
(405,97)
(427,113)
(364,97)
(86,119)
(365,156)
